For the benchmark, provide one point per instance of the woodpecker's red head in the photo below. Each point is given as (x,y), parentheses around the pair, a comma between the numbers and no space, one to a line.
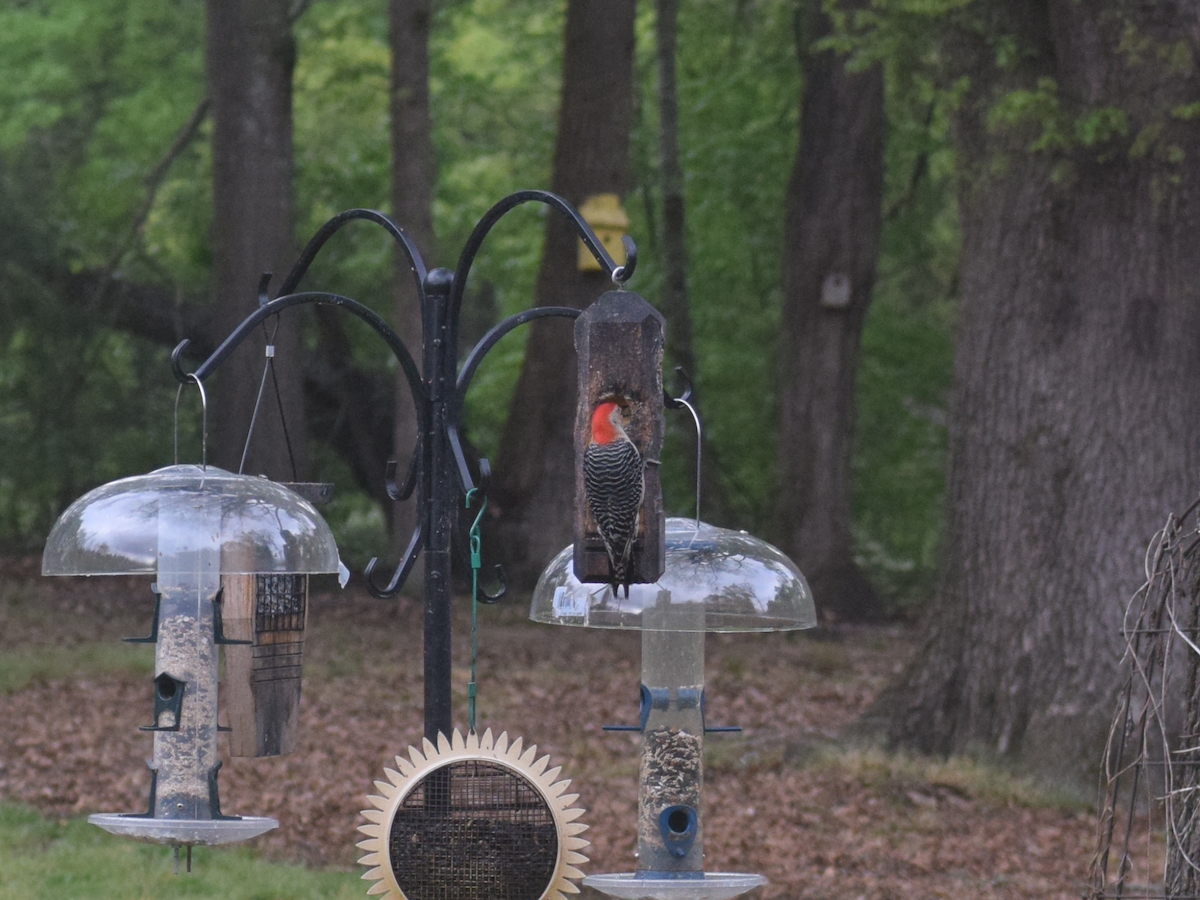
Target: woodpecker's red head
(607,424)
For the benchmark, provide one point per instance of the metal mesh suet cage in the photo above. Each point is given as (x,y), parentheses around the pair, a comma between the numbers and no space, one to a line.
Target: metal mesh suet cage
(473,819)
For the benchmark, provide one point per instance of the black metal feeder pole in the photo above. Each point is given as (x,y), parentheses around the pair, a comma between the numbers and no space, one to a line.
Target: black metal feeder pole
(438,472)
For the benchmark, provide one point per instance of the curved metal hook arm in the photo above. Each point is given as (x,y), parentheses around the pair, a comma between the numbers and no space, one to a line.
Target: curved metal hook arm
(402,571)
(478,352)
(398,491)
(330,228)
(277,306)
(619,274)
(497,331)
(688,386)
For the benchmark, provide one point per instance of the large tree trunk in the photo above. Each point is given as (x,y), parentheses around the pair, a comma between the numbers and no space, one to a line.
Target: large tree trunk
(412,207)
(535,476)
(250,54)
(1075,424)
(831,243)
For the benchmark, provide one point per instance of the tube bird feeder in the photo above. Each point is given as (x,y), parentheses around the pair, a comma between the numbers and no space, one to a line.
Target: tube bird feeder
(715,579)
(189,526)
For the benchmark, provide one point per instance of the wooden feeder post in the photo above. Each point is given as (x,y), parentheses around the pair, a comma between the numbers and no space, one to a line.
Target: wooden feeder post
(619,342)
(263,676)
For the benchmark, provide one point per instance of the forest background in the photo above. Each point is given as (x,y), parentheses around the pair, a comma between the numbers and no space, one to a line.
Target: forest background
(95,94)
(1021,322)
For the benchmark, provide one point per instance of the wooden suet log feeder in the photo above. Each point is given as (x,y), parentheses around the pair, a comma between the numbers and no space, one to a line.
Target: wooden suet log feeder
(263,677)
(619,342)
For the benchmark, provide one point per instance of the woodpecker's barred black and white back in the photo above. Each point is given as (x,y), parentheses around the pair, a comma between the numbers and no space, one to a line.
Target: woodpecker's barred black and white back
(612,479)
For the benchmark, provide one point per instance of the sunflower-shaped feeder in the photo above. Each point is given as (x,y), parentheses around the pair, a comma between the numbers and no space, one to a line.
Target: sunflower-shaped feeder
(475,819)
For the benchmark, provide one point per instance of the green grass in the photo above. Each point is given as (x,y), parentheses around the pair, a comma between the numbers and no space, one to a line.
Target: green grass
(20,667)
(989,780)
(77,861)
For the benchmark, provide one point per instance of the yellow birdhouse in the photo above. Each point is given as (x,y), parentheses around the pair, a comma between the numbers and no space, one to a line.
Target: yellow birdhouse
(606,216)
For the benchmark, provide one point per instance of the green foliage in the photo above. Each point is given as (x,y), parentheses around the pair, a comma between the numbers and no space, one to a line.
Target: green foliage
(1186,112)
(19,667)
(495,69)
(43,858)
(738,85)
(67,420)
(92,93)
(1040,108)
(899,464)
(1101,125)
(907,355)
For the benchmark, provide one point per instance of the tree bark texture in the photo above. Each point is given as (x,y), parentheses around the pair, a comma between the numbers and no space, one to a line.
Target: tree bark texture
(831,242)
(413,177)
(250,56)
(1075,419)
(535,476)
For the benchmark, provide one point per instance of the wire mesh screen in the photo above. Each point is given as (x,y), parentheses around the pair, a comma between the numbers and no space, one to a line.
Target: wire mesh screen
(1149,836)
(279,602)
(473,830)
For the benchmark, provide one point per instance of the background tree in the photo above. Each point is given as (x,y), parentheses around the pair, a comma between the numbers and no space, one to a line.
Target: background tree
(534,490)
(84,128)
(1073,418)
(831,244)
(673,300)
(250,58)
(413,181)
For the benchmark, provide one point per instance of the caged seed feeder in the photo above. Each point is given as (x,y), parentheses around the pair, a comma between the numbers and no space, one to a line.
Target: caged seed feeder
(714,580)
(192,527)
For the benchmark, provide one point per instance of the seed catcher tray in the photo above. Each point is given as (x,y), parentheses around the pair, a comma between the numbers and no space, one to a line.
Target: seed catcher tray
(475,819)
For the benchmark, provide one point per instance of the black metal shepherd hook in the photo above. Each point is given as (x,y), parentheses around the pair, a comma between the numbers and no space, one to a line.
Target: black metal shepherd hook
(438,473)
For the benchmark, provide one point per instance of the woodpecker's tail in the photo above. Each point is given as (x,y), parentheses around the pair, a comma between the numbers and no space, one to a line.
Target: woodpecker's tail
(620,577)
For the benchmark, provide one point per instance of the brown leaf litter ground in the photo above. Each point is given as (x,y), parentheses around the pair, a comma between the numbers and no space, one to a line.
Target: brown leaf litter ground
(818,818)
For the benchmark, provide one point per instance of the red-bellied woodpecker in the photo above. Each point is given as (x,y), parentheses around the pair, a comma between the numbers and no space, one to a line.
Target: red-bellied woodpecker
(614,482)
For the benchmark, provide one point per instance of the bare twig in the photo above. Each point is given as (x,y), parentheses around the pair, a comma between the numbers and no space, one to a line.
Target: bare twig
(153,182)
(1159,618)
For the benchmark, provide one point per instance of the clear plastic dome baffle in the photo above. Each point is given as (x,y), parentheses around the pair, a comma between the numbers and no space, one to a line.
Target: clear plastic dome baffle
(254,525)
(188,526)
(740,582)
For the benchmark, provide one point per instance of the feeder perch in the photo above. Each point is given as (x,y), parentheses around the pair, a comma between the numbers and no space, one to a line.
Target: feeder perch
(193,528)
(714,580)
(474,819)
